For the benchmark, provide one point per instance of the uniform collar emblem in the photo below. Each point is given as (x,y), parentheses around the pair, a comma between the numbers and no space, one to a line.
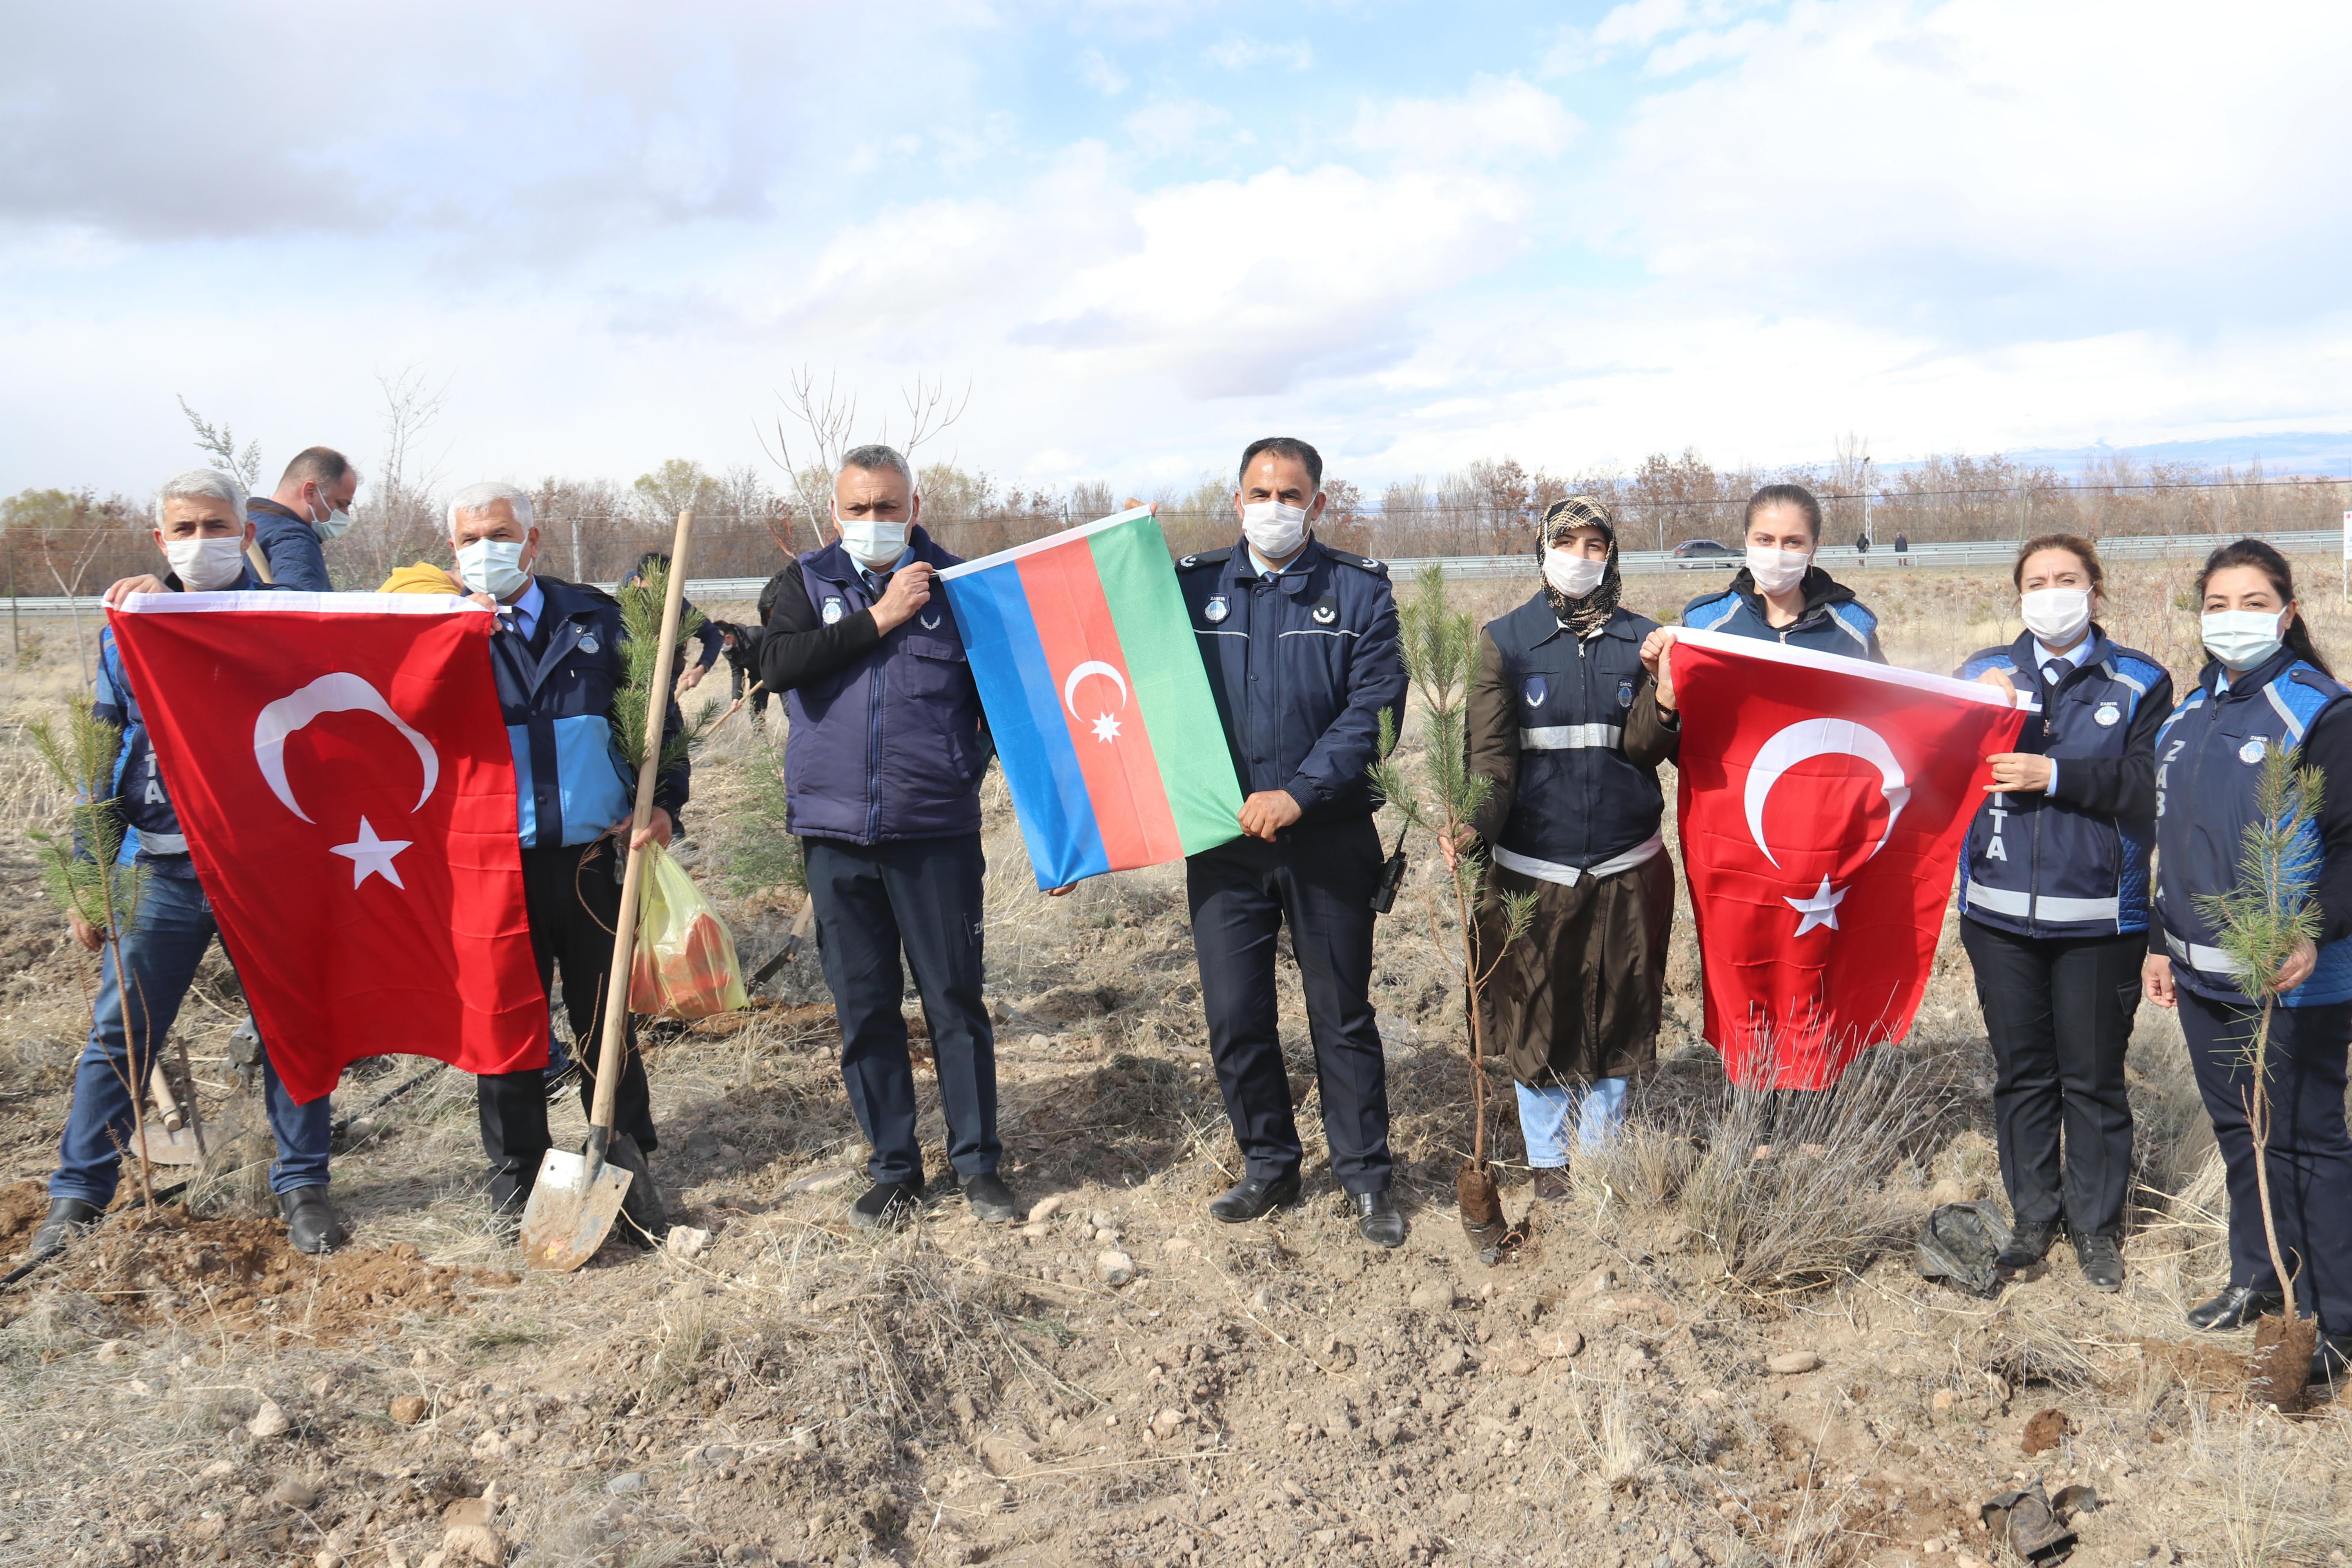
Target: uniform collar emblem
(1215,610)
(1534,691)
(832,608)
(588,642)
(1326,614)
(2108,713)
(2253,750)
(930,623)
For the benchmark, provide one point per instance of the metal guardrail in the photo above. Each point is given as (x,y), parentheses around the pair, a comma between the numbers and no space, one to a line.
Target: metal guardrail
(1633,562)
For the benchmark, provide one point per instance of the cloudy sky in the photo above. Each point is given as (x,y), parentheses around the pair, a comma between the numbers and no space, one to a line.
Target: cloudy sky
(1144,232)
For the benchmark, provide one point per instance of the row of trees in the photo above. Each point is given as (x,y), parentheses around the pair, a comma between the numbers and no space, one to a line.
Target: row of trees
(751,517)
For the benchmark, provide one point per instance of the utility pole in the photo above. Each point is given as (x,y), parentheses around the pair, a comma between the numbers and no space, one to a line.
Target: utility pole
(577,575)
(1865,502)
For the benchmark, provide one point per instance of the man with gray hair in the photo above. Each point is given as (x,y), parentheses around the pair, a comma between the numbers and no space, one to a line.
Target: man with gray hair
(201,529)
(558,661)
(311,506)
(883,757)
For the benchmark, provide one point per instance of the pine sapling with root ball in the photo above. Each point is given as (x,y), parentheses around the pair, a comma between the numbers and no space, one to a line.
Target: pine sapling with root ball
(2260,923)
(1440,646)
(83,868)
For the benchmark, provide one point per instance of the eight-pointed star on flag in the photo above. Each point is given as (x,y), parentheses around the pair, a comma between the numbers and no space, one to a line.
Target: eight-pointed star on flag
(1105,728)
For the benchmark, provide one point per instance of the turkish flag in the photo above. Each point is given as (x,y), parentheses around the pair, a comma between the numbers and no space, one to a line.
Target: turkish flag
(341,771)
(1824,803)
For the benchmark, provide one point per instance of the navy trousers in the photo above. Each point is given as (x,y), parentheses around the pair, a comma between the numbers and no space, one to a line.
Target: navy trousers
(920,896)
(2310,1156)
(2060,1017)
(1318,880)
(572,909)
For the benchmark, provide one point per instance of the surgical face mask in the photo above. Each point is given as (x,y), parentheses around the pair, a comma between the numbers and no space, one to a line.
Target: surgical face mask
(493,566)
(1574,575)
(875,541)
(2242,639)
(331,527)
(1777,571)
(207,565)
(2056,616)
(1275,530)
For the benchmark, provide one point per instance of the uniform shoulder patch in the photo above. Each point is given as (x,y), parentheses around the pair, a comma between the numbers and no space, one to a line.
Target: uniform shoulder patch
(1379,568)
(2318,683)
(1193,563)
(1705,612)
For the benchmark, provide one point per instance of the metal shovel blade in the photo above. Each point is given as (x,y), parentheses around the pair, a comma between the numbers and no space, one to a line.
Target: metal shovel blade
(565,1222)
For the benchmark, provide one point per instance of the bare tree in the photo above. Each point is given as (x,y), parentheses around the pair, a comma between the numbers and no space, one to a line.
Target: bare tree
(831,420)
(218,442)
(1850,477)
(400,518)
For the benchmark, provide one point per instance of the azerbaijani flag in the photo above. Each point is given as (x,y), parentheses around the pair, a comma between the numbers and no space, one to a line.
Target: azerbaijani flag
(1103,718)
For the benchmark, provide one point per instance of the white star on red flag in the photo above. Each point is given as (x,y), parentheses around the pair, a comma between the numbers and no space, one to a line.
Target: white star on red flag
(372,856)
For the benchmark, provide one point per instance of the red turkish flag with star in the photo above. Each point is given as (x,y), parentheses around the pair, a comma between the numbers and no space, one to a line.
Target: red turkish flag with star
(1824,805)
(341,771)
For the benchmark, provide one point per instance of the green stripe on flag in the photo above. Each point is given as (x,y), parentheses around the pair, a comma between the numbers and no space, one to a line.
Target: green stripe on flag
(1172,688)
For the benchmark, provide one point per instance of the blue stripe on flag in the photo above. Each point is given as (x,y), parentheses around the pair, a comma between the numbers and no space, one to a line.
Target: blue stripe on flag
(1024,716)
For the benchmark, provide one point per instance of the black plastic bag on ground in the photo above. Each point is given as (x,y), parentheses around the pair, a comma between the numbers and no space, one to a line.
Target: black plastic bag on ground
(1958,1245)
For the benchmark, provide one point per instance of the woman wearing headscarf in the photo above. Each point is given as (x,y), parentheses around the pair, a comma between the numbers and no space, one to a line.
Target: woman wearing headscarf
(1561,726)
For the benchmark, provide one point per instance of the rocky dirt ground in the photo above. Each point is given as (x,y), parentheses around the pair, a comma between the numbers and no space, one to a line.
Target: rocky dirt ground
(1697,1360)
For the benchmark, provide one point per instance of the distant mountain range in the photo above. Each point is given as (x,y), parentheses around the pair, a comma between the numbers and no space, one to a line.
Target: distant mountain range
(2283,453)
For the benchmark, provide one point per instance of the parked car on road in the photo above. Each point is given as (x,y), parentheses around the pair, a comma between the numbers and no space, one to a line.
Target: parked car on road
(1706,552)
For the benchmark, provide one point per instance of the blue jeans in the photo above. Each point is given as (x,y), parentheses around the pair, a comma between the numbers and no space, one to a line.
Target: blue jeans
(1547,1116)
(173,928)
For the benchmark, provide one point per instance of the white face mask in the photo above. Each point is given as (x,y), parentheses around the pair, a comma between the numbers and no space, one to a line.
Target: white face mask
(333,525)
(1574,575)
(2056,616)
(1275,530)
(207,565)
(2242,639)
(875,541)
(494,566)
(1777,571)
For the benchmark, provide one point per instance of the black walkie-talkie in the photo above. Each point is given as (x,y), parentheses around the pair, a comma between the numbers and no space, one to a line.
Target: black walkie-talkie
(1384,892)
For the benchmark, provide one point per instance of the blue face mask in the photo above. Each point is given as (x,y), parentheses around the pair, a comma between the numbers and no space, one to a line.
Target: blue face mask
(494,566)
(332,526)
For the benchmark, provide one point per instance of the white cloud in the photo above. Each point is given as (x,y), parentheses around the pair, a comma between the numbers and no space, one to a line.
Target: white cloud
(1239,51)
(1161,129)
(1099,74)
(1703,48)
(1496,118)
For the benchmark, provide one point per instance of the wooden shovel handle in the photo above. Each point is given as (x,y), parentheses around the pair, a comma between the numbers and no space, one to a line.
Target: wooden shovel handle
(607,1065)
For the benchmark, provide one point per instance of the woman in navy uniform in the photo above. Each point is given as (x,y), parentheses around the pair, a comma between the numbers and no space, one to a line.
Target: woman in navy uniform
(1561,724)
(2053,900)
(1780,595)
(2263,686)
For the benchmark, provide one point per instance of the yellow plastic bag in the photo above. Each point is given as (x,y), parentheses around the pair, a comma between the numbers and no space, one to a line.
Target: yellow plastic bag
(684,964)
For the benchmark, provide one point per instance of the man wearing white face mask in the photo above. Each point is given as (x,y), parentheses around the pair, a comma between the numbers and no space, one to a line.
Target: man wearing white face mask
(1300,644)
(200,527)
(884,751)
(311,506)
(558,663)
(2054,907)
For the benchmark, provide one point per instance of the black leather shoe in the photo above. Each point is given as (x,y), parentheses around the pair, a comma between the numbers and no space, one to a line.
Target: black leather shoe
(2331,1363)
(2028,1244)
(1377,1220)
(2235,1308)
(311,1225)
(887,1206)
(67,1218)
(2101,1262)
(990,1201)
(1251,1199)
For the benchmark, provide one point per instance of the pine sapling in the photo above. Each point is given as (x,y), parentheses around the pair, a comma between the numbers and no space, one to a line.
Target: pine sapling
(1439,647)
(2260,924)
(81,867)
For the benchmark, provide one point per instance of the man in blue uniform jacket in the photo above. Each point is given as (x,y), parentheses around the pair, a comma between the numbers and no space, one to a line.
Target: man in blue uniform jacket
(1300,643)
(201,529)
(558,662)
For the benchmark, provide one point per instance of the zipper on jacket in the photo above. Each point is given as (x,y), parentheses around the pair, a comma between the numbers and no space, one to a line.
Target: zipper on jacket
(874,752)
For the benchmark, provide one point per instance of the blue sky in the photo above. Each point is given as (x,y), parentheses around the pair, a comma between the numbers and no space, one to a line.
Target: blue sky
(1143,233)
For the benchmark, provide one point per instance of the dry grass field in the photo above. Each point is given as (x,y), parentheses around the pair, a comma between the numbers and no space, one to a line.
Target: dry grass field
(181,1389)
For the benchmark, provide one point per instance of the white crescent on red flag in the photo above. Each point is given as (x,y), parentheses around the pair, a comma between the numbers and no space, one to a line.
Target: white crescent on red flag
(1824,803)
(342,774)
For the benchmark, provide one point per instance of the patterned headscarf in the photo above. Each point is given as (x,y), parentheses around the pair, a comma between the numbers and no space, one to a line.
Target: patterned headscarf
(1587,616)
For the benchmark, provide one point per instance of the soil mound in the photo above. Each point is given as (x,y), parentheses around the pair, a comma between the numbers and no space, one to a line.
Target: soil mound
(240,1273)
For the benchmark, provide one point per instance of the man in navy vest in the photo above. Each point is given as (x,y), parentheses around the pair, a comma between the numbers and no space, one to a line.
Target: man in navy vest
(883,756)
(311,506)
